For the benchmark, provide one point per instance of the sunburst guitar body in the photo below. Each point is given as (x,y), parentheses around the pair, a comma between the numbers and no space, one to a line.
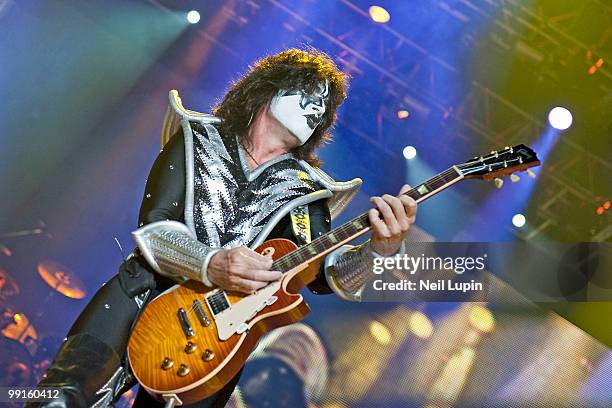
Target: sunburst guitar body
(192,340)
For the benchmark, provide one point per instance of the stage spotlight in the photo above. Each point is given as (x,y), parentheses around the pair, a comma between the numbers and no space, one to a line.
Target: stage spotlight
(560,118)
(193,16)
(409,152)
(380,332)
(420,325)
(379,14)
(518,220)
(402,114)
(482,319)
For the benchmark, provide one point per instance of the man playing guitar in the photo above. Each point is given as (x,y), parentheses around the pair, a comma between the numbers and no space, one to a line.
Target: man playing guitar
(222,185)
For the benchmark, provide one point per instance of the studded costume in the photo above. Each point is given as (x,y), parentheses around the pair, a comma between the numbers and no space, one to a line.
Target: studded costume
(226,205)
(200,197)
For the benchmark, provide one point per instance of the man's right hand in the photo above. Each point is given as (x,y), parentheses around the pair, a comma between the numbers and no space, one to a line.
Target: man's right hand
(241,270)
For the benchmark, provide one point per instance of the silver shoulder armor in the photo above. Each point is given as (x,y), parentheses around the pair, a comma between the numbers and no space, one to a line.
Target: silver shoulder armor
(176,112)
(172,250)
(350,268)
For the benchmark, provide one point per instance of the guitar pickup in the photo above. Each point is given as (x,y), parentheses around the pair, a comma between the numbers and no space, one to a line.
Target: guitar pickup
(185,323)
(199,311)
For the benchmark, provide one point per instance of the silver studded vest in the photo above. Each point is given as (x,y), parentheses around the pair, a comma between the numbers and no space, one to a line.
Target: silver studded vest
(226,204)
(233,205)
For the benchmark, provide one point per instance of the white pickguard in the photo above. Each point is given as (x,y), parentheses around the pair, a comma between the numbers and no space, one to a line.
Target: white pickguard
(235,318)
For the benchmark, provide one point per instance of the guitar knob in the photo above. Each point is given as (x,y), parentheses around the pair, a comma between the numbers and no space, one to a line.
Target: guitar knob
(183,370)
(514,178)
(498,182)
(167,363)
(190,347)
(208,355)
(531,174)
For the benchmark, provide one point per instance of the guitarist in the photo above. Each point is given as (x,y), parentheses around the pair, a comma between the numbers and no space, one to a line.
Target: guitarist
(221,185)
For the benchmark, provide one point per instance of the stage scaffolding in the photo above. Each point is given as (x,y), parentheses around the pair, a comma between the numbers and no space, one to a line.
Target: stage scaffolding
(548,40)
(545,34)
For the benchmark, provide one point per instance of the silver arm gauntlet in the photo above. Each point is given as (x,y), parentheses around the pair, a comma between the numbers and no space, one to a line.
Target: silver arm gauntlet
(349,268)
(171,249)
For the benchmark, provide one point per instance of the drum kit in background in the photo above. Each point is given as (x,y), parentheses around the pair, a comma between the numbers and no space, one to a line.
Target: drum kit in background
(25,352)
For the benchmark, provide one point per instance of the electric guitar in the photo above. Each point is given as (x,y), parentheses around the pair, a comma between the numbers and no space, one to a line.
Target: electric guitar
(191,340)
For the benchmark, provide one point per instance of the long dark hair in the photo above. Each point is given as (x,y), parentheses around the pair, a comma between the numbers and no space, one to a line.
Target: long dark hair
(289,69)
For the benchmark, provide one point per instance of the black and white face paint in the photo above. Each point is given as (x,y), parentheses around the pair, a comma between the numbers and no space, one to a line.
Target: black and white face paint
(299,111)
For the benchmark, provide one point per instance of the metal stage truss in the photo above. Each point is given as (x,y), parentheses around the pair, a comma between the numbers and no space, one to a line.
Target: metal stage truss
(545,34)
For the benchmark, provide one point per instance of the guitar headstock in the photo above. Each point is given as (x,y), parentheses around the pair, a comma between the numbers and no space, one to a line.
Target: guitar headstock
(500,163)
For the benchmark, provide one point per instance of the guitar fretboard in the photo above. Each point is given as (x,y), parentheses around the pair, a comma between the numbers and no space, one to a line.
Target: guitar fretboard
(359,225)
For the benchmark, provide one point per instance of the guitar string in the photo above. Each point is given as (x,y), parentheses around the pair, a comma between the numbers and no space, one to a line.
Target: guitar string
(296,255)
(344,227)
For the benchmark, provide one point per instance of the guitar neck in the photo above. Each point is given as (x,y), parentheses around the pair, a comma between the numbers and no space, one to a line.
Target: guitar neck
(352,229)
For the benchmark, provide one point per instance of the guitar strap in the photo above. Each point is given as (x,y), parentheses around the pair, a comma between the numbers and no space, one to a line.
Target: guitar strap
(300,221)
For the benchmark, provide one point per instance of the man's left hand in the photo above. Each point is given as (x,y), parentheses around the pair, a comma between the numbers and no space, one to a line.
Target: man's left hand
(398,214)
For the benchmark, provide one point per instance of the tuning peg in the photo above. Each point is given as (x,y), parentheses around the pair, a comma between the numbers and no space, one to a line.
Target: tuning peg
(531,174)
(514,178)
(498,182)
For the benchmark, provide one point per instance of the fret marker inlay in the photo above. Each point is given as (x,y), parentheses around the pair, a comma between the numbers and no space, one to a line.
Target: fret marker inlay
(422,189)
